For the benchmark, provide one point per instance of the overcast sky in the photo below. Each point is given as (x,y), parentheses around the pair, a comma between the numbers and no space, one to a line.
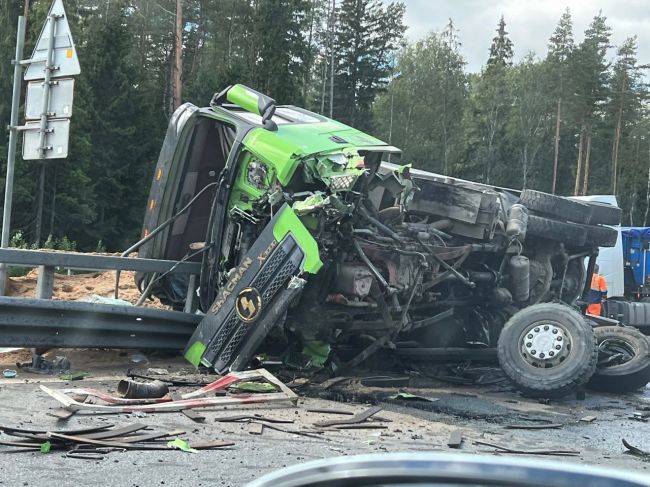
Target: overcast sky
(530,23)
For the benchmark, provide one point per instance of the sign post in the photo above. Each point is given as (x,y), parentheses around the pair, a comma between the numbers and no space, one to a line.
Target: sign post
(46,131)
(11,153)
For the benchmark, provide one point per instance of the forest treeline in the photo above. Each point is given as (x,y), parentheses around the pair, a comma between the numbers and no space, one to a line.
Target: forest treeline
(572,120)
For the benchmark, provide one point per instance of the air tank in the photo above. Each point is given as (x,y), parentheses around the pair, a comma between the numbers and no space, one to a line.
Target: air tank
(519,277)
(517,222)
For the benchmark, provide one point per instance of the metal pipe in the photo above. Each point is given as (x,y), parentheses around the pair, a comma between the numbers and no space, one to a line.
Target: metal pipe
(11,152)
(370,265)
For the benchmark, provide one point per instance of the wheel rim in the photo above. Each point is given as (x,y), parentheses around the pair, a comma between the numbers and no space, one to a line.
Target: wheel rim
(545,344)
(614,351)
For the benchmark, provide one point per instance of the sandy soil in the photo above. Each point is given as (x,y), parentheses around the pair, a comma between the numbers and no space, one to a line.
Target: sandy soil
(81,286)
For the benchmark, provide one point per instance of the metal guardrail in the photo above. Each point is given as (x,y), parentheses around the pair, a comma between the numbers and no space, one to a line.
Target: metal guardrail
(45,323)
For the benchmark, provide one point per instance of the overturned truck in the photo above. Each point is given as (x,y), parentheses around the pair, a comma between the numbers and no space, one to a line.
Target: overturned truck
(305,234)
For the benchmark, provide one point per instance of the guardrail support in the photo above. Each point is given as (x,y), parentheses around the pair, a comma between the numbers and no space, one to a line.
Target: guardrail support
(45,282)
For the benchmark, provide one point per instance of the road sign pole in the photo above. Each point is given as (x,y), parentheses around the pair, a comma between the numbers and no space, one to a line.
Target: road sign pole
(45,106)
(11,154)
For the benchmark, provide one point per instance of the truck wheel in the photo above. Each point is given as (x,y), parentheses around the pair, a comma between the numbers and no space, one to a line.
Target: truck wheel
(623,359)
(604,214)
(599,236)
(555,206)
(554,230)
(547,350)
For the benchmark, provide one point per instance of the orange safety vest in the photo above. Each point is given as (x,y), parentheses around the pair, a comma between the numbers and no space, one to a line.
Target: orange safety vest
(597,293)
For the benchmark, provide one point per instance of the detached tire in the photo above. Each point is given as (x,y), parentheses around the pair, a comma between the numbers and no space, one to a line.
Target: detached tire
(628,352)
(547,350)
(555,206)
(570,233)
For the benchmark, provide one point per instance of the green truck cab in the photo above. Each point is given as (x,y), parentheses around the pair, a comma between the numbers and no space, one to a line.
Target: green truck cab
(307,236)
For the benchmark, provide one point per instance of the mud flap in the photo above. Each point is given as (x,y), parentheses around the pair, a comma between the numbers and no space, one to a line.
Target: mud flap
(256,296)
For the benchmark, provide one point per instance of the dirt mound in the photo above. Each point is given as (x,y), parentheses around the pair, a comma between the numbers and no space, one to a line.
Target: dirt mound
(80,286)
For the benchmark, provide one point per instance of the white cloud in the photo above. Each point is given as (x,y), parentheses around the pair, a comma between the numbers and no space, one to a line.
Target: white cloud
(529,22)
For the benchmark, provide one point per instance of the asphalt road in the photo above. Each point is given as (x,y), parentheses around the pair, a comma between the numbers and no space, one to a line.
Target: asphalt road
(481,413)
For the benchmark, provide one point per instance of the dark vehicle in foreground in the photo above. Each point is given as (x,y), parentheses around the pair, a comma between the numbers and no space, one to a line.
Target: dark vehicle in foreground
(403,469)
(308,239)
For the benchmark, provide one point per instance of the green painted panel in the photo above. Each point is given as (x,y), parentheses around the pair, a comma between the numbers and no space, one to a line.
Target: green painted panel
(289,222)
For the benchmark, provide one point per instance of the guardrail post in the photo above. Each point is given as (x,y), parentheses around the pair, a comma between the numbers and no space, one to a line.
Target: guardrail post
(45,282)
(191,292)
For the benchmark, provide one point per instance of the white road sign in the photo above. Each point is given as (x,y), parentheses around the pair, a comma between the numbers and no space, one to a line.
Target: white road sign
(57,139)
(65,54)
(61,95)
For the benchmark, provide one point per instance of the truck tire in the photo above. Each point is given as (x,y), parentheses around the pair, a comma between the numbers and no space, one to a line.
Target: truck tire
(598,236)
(555,206)
(604,214)
(624,359)
(555,230)
(567,353)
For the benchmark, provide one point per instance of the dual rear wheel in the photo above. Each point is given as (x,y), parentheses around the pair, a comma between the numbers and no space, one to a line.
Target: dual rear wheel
(550,350)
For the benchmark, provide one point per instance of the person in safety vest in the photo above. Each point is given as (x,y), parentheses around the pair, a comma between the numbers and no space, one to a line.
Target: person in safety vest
(597,293)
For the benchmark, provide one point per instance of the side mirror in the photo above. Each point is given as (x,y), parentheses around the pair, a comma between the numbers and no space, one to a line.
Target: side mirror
(251,101)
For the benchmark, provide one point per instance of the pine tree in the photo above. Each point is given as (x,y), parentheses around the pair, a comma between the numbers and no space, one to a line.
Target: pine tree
(491,103)
(366,35)
(590,79)
(627,98)
(560,49)
(501,48)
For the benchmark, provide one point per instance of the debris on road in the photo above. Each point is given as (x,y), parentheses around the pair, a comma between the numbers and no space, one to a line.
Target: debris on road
(455,439)
(504,449)
(411,397)
(195,399)
(93,443)
(542,426)
(633,450)
(9,373)
(131,389)
(357,418)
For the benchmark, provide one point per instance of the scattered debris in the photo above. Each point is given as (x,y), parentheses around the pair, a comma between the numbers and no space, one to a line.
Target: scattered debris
(9,373)
(411,397)
(195,399)
(190,413)
(256,428)
(504,449)
(141,390)
(588,419)
(253,387)
(357,418)
(542,426)
(330,411)
(362,426)
(93,443)
(633,450)
(61,413)
(455,439)
(255,417)
(73,376)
